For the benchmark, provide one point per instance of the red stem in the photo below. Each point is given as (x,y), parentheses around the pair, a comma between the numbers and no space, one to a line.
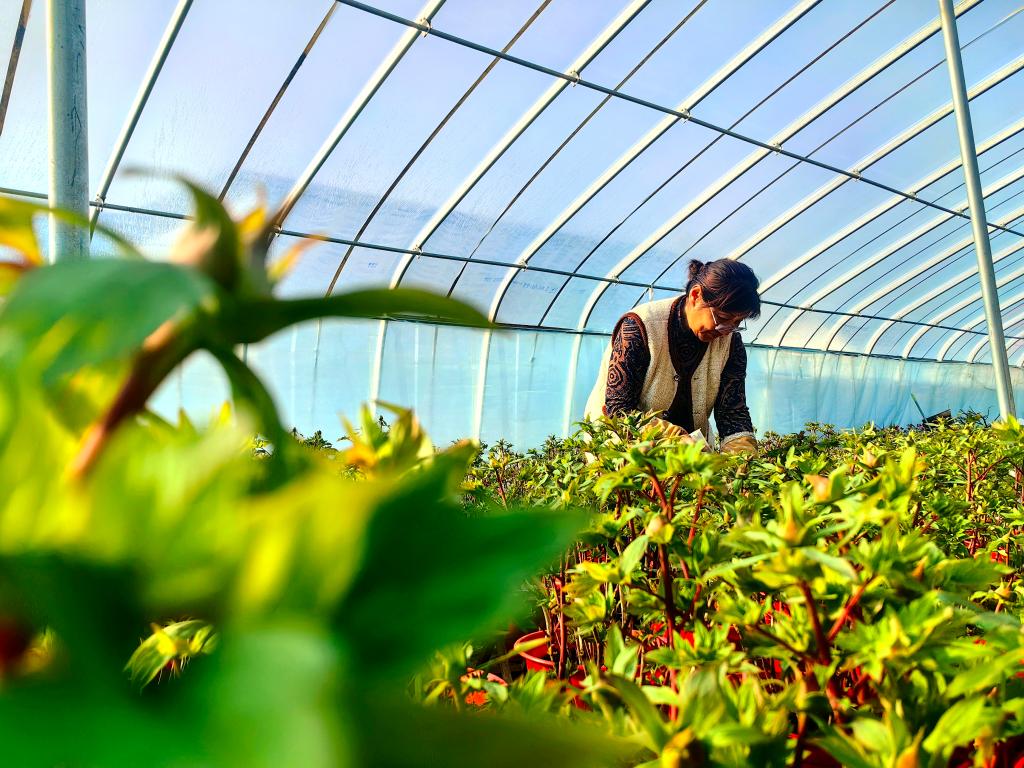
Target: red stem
(837,626)
(561,624)
(670,617)
(160,354)
(779,641)
(696,514)
(819,635)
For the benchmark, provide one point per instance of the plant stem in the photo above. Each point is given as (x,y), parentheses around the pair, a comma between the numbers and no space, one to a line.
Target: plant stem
(801,730)
(501,487)
(779,641)
(561,623)
(837,626)
(659,494)
(819,635)
(696,515)
(161,353)
(666,579)
(670,618)
(675,490)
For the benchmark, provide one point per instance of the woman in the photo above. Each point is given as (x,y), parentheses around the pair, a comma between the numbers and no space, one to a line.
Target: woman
(682,357)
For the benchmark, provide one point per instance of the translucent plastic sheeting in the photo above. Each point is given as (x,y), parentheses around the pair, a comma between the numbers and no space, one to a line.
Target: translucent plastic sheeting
(198,389)
(122,39)
(229,61)
(454,169)
(372,154)
(536,383)
(10,13)
(286,145)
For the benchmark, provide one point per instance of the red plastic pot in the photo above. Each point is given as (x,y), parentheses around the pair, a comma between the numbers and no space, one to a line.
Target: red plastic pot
(537,660)
(537,657)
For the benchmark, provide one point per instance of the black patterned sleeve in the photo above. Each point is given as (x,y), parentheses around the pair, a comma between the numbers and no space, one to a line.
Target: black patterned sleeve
(731,413)
(627,368)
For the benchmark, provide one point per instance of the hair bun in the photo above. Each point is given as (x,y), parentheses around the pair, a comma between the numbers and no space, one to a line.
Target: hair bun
(696,267)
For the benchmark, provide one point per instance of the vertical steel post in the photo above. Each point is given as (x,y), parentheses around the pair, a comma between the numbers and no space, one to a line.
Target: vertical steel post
(979,225)
(69,136)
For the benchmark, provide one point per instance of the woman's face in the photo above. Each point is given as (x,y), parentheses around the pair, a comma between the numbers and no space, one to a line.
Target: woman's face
(703,320)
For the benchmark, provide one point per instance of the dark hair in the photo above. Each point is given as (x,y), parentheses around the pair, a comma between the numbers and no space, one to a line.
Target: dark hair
(728,285)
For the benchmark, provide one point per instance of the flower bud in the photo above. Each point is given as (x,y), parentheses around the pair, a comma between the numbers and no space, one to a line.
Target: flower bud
(819,484)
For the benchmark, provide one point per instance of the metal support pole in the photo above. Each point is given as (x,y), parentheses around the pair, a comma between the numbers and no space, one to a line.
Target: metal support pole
(69,136)
(986,273)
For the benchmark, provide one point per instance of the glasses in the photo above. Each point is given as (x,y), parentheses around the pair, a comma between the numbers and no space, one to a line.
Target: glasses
(725,327)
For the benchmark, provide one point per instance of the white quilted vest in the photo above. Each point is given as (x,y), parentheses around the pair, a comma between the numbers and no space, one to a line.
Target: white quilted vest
(660,383)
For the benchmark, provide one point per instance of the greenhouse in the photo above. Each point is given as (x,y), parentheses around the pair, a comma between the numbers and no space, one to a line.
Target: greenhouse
(447,382)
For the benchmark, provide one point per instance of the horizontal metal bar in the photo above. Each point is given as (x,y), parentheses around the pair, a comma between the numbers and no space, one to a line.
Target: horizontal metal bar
(522,267)
(766,347)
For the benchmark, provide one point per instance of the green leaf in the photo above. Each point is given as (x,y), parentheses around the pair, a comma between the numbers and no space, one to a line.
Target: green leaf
(631,556)
(837,564)
(619,658)
(433,575)
(844,749)
(961,723)
(988,673)
(70,316)
(177,641)
(94,610)
(643,711)
(280,685)
(87,727)
(397,735)
(212,243)
(254,319)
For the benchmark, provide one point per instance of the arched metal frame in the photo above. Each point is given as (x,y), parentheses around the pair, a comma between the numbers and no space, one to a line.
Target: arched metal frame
(525,121)
(977,320)
(673,115)
(12,61)
(987,84)
(575,132)
(925,229)
(387,66)
(756,157)
(644,143)
(145,90)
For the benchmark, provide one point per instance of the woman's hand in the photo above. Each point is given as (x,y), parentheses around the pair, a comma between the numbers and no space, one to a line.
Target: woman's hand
(673,430)
(740,444)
